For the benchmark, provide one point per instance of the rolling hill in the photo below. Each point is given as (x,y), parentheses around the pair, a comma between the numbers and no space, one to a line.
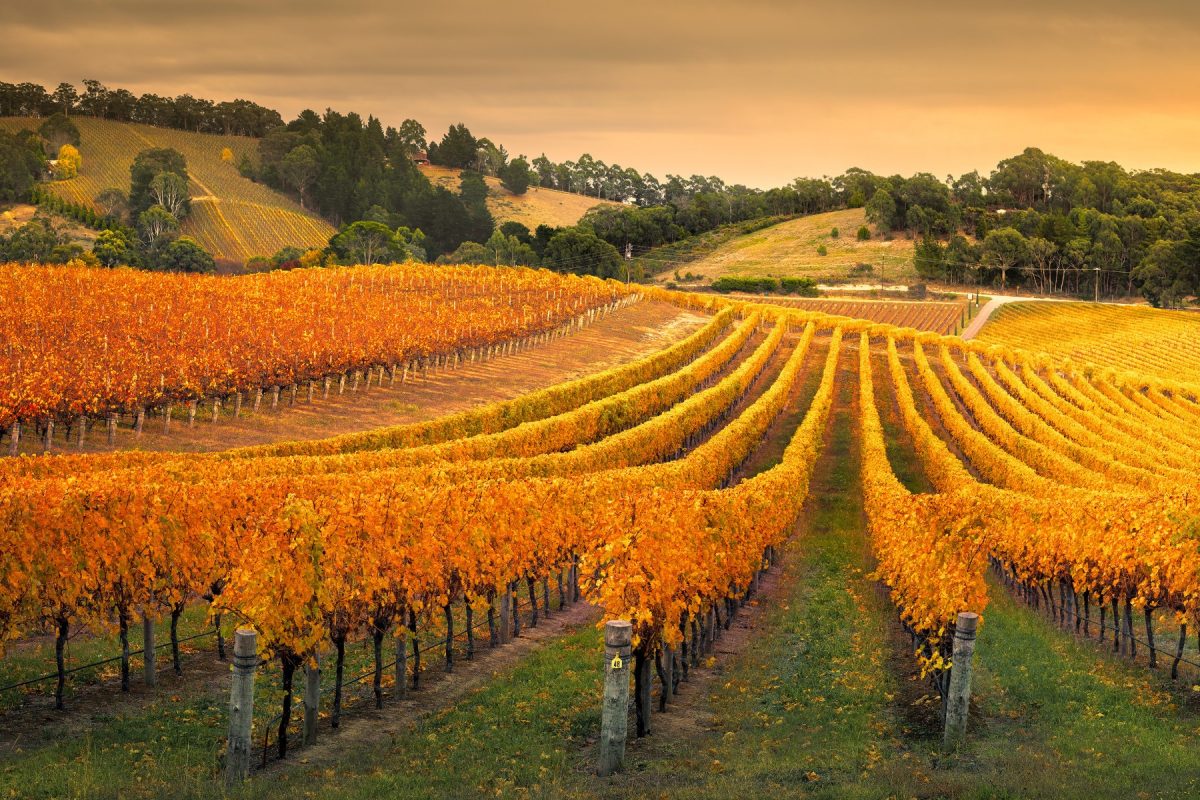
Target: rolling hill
(789,249)
(537,206)
(232,217)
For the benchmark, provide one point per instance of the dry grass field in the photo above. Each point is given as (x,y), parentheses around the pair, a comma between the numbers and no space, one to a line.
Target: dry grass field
(790,250)
(536,207)
(232,217)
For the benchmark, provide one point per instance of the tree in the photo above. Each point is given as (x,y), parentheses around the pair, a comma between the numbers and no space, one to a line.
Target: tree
(186,255)
(458,148)
(146,166)
(514,175)
(20,166)
(170,191)
(411,137)
(299,170)
(864,233)
(1042,257)
(573,250)
(929,259)
(364,242)
(157,227)
(112,202)
(113,249)
(35,241)
(65,97)
(1005,249)
(881,210)
(68,163)
(57,130)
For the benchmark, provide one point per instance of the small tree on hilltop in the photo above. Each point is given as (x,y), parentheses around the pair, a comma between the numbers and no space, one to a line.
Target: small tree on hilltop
(864,233)
(514,175)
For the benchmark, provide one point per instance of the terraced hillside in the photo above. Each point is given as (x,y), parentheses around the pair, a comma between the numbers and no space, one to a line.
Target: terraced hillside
(232,217)
(1150,341)
(537,206)
(789,249)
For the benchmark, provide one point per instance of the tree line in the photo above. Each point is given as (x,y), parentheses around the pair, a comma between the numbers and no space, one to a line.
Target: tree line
(1037,221)
(232,117)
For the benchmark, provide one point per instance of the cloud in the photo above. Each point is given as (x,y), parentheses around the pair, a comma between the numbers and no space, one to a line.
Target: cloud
(756,91)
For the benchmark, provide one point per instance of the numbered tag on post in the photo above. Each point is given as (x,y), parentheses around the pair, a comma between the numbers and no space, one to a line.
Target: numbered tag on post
(617,663)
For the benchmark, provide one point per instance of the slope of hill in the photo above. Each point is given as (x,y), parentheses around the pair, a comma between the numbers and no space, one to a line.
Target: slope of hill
(789,249)
(537,206)
(232,217)
(1165,344)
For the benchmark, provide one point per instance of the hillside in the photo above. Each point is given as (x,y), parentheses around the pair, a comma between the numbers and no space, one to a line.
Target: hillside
(232,217)
(789,249)
(1147,340)
(537,206)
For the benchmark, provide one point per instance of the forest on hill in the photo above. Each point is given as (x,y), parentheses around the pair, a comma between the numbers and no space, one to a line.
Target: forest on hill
(1036,221)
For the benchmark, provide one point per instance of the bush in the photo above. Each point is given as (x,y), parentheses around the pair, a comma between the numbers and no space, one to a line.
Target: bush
(835,233)
(859,270)
(822,250)
(864,234)
(741,283)
(805,287)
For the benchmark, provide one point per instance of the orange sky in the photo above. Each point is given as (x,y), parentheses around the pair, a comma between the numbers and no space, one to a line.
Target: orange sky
(758,92)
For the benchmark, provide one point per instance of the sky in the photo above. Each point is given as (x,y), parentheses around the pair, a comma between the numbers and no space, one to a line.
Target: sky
(757,92)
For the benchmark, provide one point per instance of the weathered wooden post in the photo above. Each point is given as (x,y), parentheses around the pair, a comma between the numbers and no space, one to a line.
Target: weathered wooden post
(312,699)
(241,705)
(149,667)
(614,717)
(959,700)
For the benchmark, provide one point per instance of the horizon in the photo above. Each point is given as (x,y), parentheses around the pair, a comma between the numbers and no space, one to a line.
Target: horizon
(768,109)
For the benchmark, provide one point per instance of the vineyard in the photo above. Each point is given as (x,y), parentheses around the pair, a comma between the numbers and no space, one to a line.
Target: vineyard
(1142,340)
(663,492)
(232,217)
(933,316)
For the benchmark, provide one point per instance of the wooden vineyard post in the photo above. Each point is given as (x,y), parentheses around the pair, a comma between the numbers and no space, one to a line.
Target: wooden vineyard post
(312,699)
(401,658)
(958,702)
(241,706)
(149,667)
(14,441)
(614,717)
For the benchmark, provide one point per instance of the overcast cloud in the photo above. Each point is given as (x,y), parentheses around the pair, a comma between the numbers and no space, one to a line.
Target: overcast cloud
(757,92)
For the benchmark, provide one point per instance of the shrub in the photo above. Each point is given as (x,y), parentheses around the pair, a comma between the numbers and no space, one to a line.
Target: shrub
(861,269)
(805,287)
(742,283)
(864,233)
(822,250)
(835,233)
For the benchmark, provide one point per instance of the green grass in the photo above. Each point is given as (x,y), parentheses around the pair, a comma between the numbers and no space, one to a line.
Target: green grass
(30,660)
